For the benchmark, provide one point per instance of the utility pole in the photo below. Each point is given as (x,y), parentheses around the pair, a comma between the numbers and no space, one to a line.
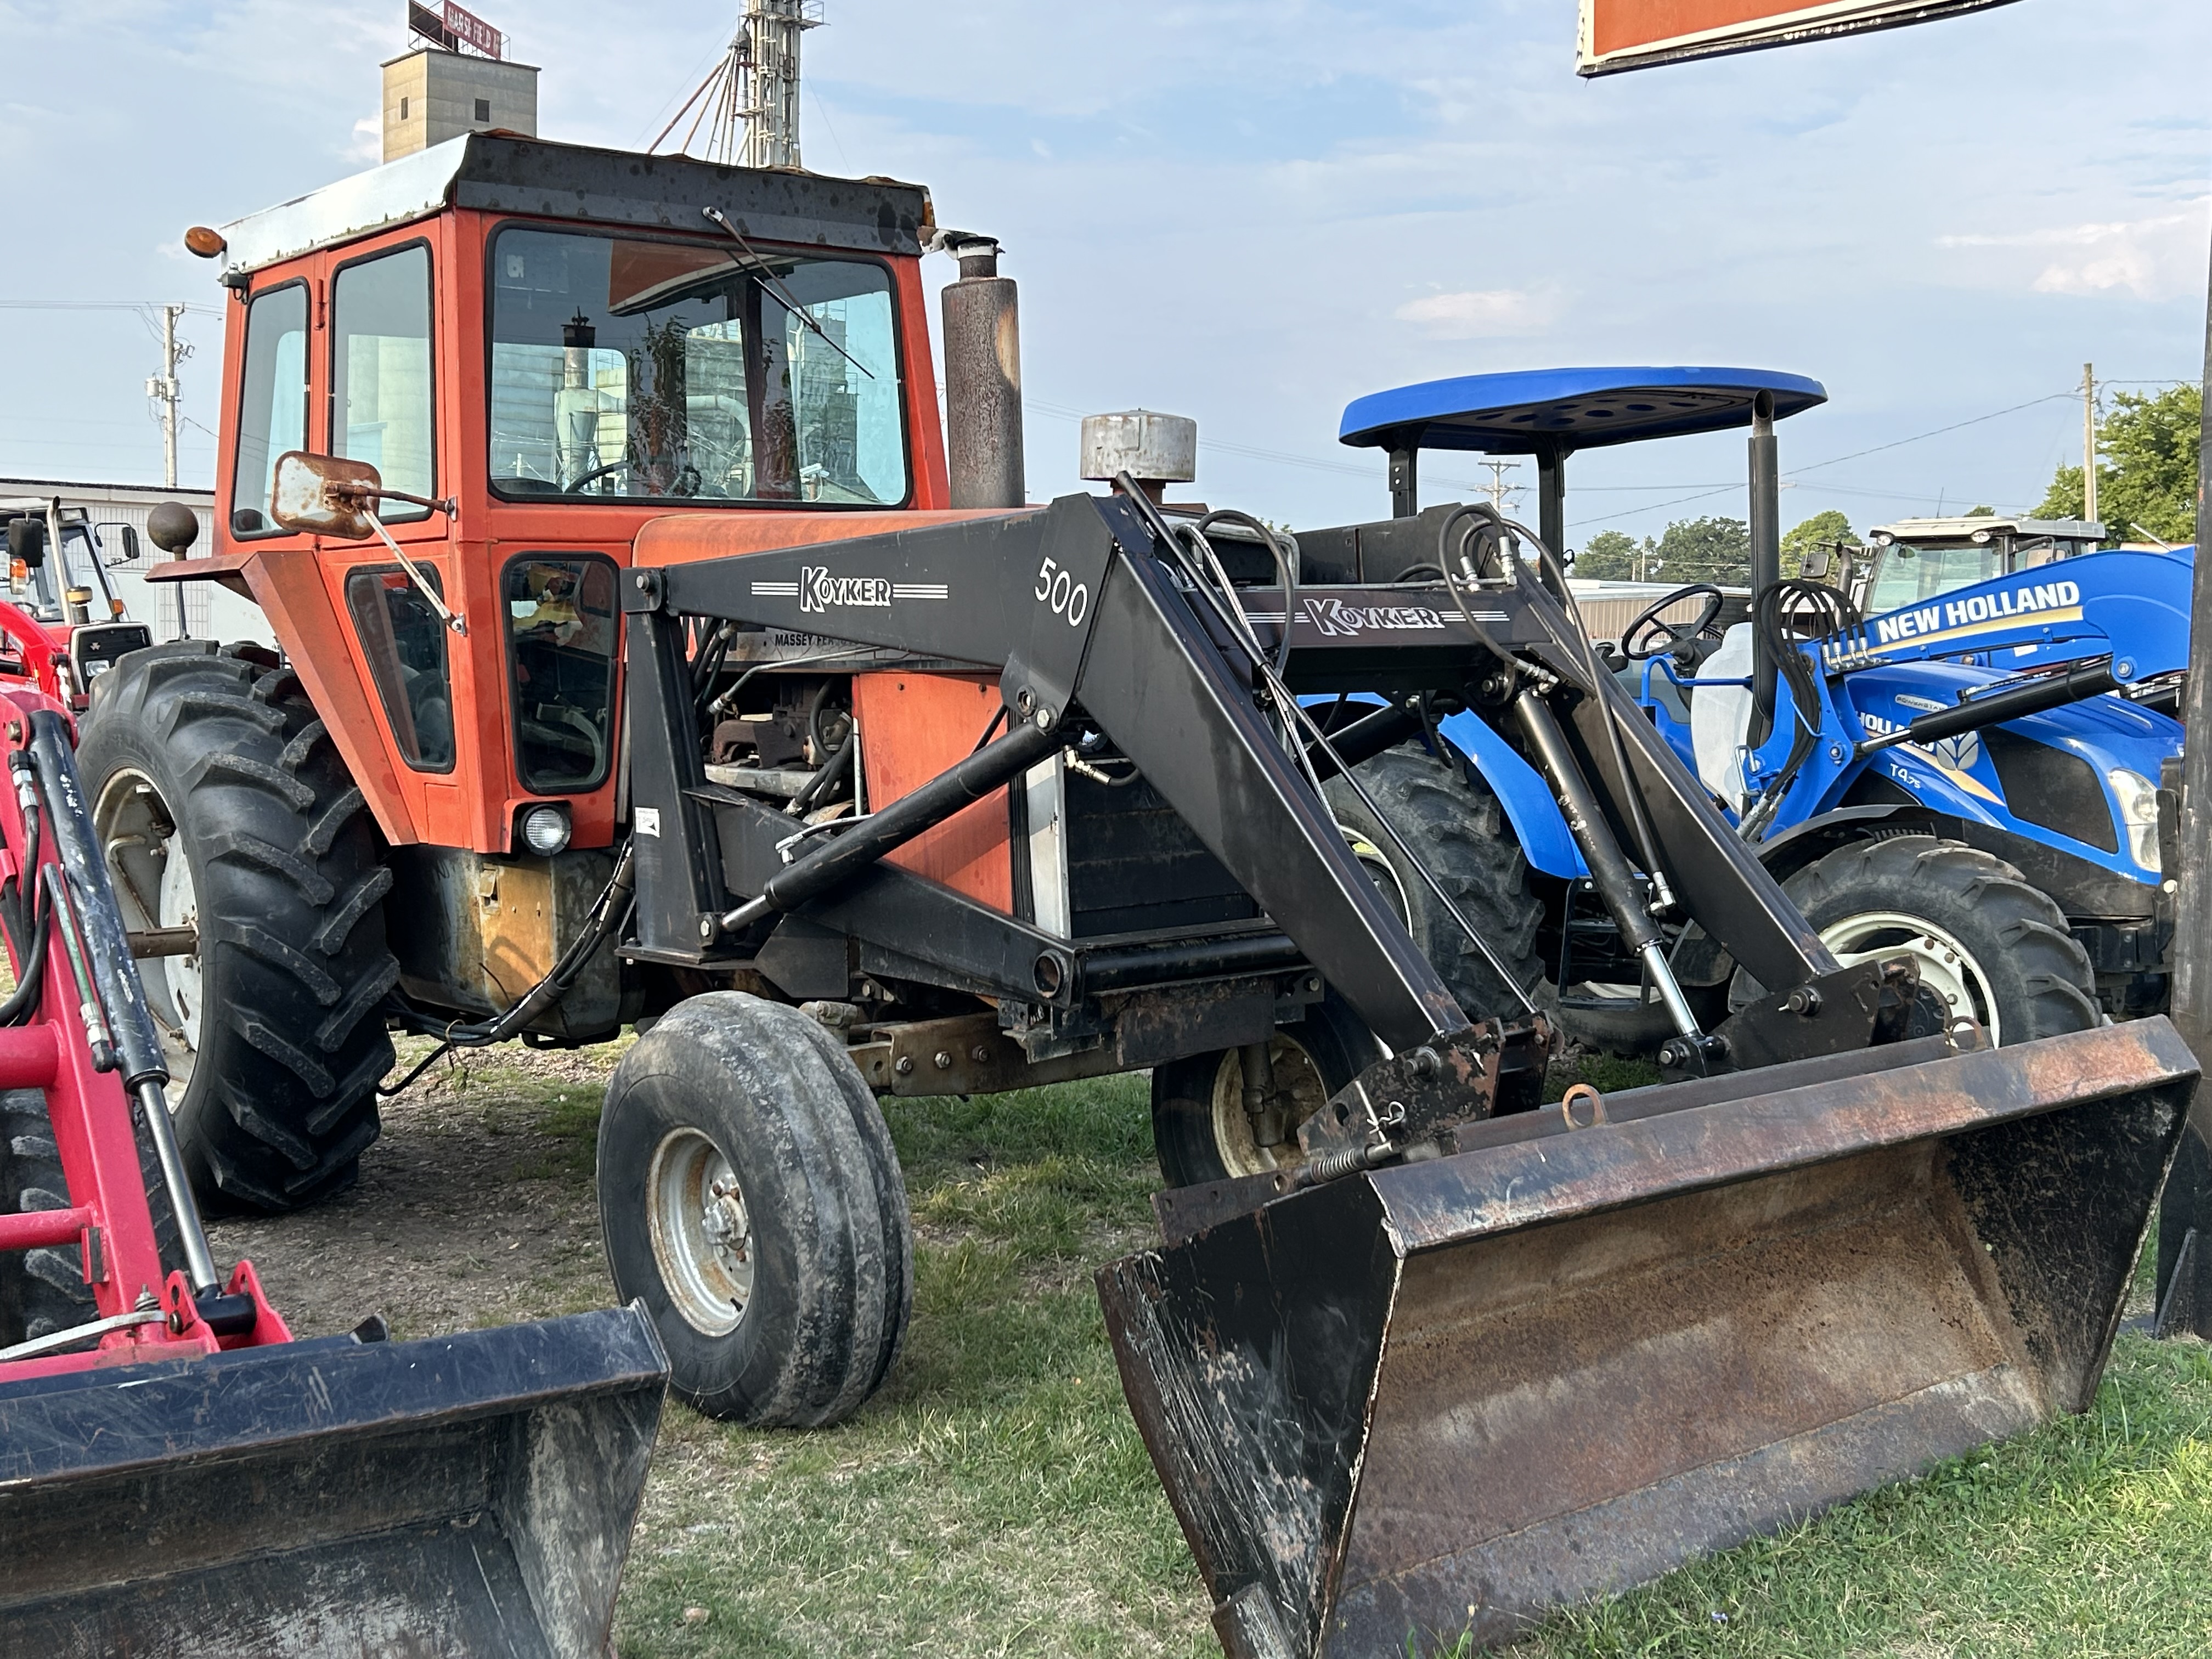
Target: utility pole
(2184,1221)
(2089,442)
(162,389)
(1497,488)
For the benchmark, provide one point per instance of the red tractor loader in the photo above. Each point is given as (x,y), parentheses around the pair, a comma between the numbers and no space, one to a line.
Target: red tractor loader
(178,1474)
(645,665)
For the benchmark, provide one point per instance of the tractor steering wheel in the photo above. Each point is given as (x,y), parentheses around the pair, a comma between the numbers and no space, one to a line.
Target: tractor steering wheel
(597,472)
(1670,634)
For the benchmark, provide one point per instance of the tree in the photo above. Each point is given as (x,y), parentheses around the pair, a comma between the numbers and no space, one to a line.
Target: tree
(2147,475)
(1609,555)
(1821,530)
(1717,550)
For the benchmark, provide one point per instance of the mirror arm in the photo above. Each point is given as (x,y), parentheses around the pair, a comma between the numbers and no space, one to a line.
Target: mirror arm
(448,506)
(416,575)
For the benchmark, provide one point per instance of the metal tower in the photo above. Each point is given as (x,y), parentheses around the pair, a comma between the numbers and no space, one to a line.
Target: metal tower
(748,106)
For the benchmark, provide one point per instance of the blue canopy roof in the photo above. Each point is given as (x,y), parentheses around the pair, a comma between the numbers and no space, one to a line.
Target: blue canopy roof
(1569,409)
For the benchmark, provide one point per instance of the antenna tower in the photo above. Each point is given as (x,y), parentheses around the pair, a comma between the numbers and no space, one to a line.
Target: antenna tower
(745,112)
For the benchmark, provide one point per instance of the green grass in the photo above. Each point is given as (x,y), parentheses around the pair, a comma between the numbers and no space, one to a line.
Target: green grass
(996,1499)
(2091,1537)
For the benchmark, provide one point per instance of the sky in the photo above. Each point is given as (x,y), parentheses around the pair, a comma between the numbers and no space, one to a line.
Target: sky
(1254,213)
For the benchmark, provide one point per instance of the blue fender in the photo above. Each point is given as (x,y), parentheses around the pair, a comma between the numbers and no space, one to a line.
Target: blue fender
(1521,789)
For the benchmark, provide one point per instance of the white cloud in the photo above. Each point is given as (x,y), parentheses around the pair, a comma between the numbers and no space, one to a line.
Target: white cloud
(1481,313)
(2158,257)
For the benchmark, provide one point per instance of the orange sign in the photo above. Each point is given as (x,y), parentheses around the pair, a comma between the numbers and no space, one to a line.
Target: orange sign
(1626,35)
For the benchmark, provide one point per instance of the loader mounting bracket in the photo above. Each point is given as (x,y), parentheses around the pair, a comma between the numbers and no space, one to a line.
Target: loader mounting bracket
(1864,1006)
(1423,1095)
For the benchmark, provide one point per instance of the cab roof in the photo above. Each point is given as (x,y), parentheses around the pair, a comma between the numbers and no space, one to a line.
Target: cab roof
(1529,411)
(1959,530)
(503,174)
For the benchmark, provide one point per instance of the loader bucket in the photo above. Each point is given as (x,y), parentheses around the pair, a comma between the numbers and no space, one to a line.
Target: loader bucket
(463,1495)
(1449,1395)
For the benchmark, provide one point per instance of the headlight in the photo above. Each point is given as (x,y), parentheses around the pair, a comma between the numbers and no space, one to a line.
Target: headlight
(546,828)
(2138,799)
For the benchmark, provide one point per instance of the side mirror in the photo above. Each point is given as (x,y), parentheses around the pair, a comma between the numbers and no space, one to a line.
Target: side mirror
(172,527)
(325,495)
(126,539)
(27,540)
(1816,564)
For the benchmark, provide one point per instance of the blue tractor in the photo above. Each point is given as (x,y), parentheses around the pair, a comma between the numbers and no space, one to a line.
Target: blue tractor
(1971,778)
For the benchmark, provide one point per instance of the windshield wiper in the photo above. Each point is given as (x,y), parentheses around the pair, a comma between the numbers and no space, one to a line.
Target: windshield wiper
(783,295)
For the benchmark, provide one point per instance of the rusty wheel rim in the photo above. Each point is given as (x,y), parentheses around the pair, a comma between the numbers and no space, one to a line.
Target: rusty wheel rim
(1234,1138)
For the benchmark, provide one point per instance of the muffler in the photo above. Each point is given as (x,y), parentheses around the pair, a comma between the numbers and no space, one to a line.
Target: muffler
(465,1495)
(1451,1395)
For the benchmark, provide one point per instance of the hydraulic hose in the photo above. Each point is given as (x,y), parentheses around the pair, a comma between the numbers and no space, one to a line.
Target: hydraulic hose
(609,914)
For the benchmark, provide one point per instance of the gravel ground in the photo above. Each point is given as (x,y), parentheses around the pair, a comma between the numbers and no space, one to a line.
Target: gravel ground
(475,1208)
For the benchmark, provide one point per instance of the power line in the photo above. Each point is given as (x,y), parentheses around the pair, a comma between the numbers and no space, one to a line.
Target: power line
(1838,461)
(105,305)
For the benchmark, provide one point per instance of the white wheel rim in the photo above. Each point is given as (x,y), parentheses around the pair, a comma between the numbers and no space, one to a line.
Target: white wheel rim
(1296,1075)
(701,1234)
(154,887)
(1380,870)
(1946,967)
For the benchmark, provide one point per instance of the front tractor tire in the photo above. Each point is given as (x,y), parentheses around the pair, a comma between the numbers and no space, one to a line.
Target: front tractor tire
(750,1198)
(1994,949)
(223,806)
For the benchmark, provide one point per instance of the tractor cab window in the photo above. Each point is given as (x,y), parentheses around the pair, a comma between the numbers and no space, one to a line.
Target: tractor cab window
(272,403)
(380,371)
(634,370)
(562,638)
(43,589)
(1906,575)
(404,643)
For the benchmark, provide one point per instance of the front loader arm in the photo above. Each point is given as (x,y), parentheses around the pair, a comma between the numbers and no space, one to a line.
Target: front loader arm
(1070,605)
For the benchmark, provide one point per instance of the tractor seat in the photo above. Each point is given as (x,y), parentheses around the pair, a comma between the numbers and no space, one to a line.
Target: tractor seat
(1720,716)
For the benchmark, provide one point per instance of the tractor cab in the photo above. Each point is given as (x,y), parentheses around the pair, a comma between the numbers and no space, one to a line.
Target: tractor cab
(57,564)
(1917,560)
(539,348)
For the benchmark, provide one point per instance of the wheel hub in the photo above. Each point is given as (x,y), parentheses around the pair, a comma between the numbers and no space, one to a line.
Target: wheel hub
(701,1234)
(1298,1094)
(155,889)
(1946,967)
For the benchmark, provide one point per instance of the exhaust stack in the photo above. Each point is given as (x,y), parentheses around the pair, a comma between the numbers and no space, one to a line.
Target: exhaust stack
(982,378)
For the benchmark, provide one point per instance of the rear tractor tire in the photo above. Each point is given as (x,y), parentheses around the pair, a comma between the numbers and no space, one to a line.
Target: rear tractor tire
(41,1291)
(1994,949)
(749,1196)
(223,807)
